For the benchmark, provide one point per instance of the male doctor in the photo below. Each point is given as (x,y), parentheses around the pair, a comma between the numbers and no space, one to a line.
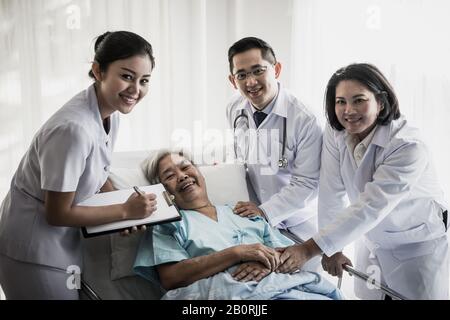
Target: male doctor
(276,137)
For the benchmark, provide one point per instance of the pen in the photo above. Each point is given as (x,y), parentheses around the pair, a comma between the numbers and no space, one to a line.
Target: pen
(139,191)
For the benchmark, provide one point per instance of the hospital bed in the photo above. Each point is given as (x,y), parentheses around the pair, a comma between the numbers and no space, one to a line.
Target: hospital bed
(108,260)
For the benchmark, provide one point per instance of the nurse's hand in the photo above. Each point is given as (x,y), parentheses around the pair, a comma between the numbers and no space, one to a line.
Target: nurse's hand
(334,265)
(249,271)
(269,257)
(133,230)
(139,206)
(247,209)
(294,257)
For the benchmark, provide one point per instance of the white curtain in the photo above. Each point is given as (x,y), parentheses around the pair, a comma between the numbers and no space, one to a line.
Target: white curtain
(47,47)
(407,40)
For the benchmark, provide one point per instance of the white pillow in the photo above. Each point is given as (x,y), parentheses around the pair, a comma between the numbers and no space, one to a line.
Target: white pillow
(125,178)
(225,184)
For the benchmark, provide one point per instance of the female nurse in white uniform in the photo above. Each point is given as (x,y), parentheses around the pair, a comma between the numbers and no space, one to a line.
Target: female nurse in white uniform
(67,162)
(372,155)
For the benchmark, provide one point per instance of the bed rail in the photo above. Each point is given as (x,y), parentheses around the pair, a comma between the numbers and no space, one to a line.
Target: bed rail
(353,272)
(88,291)
(92,295)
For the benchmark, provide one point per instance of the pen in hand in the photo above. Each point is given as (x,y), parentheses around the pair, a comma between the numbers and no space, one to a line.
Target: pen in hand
(139,191)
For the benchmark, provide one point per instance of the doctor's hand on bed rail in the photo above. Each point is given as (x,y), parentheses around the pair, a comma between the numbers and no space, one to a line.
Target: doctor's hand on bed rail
(250,271)
(247,209)
(334,265)
(294,257)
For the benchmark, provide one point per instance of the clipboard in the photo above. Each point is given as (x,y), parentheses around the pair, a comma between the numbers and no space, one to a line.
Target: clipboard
(166,210)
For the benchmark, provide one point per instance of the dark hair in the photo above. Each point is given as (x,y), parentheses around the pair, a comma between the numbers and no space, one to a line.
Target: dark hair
(112,46)
(369,76)
(248,43)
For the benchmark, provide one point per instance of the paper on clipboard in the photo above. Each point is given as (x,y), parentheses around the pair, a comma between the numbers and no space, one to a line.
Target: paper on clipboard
(166,211)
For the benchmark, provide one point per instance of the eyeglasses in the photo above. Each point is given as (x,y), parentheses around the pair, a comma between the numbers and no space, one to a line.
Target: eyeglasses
(242,75)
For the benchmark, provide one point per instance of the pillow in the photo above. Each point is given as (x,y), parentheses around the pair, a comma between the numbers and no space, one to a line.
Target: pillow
(125,178)
(225,184)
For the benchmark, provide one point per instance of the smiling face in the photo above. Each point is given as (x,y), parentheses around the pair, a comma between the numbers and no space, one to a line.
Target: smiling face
(123,84)
(183,180)
(258,89)
(356,108)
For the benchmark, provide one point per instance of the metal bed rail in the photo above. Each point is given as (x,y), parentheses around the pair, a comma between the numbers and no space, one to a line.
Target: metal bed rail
(88,291)
(353,272)
(92,295)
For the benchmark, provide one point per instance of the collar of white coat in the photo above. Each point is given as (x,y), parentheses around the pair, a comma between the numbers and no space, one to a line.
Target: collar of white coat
(279,107)
(384,133)
(352,140)
(95,108)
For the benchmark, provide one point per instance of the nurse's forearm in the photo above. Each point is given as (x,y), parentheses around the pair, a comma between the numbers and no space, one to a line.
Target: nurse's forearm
(60,212)
(87,216)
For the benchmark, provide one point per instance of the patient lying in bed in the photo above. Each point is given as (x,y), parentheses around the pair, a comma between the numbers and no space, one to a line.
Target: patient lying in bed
(213,253)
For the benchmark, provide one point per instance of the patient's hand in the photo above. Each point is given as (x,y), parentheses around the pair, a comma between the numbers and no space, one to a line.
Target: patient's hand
(334,265)
(247,209)
(295,256)
(258,252)
(249,271)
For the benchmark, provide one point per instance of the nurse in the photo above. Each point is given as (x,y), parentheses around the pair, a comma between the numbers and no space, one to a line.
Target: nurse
(396,212)
(67,162)
(277,137)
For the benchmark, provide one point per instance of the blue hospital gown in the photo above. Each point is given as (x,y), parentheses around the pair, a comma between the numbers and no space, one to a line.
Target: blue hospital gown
(197,235)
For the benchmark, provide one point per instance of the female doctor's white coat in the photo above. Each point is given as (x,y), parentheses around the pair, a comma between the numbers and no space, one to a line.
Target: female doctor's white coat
(288,196)
(396,205)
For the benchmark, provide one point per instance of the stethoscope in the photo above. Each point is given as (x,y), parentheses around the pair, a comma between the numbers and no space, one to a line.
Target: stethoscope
(282,162)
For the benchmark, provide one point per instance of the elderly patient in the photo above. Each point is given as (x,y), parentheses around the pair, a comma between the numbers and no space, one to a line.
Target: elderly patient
(212,253)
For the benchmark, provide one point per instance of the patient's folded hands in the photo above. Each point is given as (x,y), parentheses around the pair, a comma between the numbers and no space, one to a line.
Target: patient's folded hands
(250,271)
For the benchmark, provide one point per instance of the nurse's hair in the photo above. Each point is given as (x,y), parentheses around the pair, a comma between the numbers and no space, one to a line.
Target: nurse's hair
(372,78)
(150,166)
(118,45)
(249,43)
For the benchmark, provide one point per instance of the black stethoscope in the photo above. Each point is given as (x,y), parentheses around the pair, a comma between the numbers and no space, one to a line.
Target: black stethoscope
(282,162)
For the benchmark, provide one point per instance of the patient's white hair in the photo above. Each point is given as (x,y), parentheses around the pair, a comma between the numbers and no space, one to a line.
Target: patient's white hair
(150,165)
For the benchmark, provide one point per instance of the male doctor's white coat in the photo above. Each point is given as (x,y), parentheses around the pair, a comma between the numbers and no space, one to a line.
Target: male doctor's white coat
(396,205)
(288,196)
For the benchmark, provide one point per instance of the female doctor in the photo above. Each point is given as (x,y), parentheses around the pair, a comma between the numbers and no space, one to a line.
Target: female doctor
(67,162)
(372,155)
